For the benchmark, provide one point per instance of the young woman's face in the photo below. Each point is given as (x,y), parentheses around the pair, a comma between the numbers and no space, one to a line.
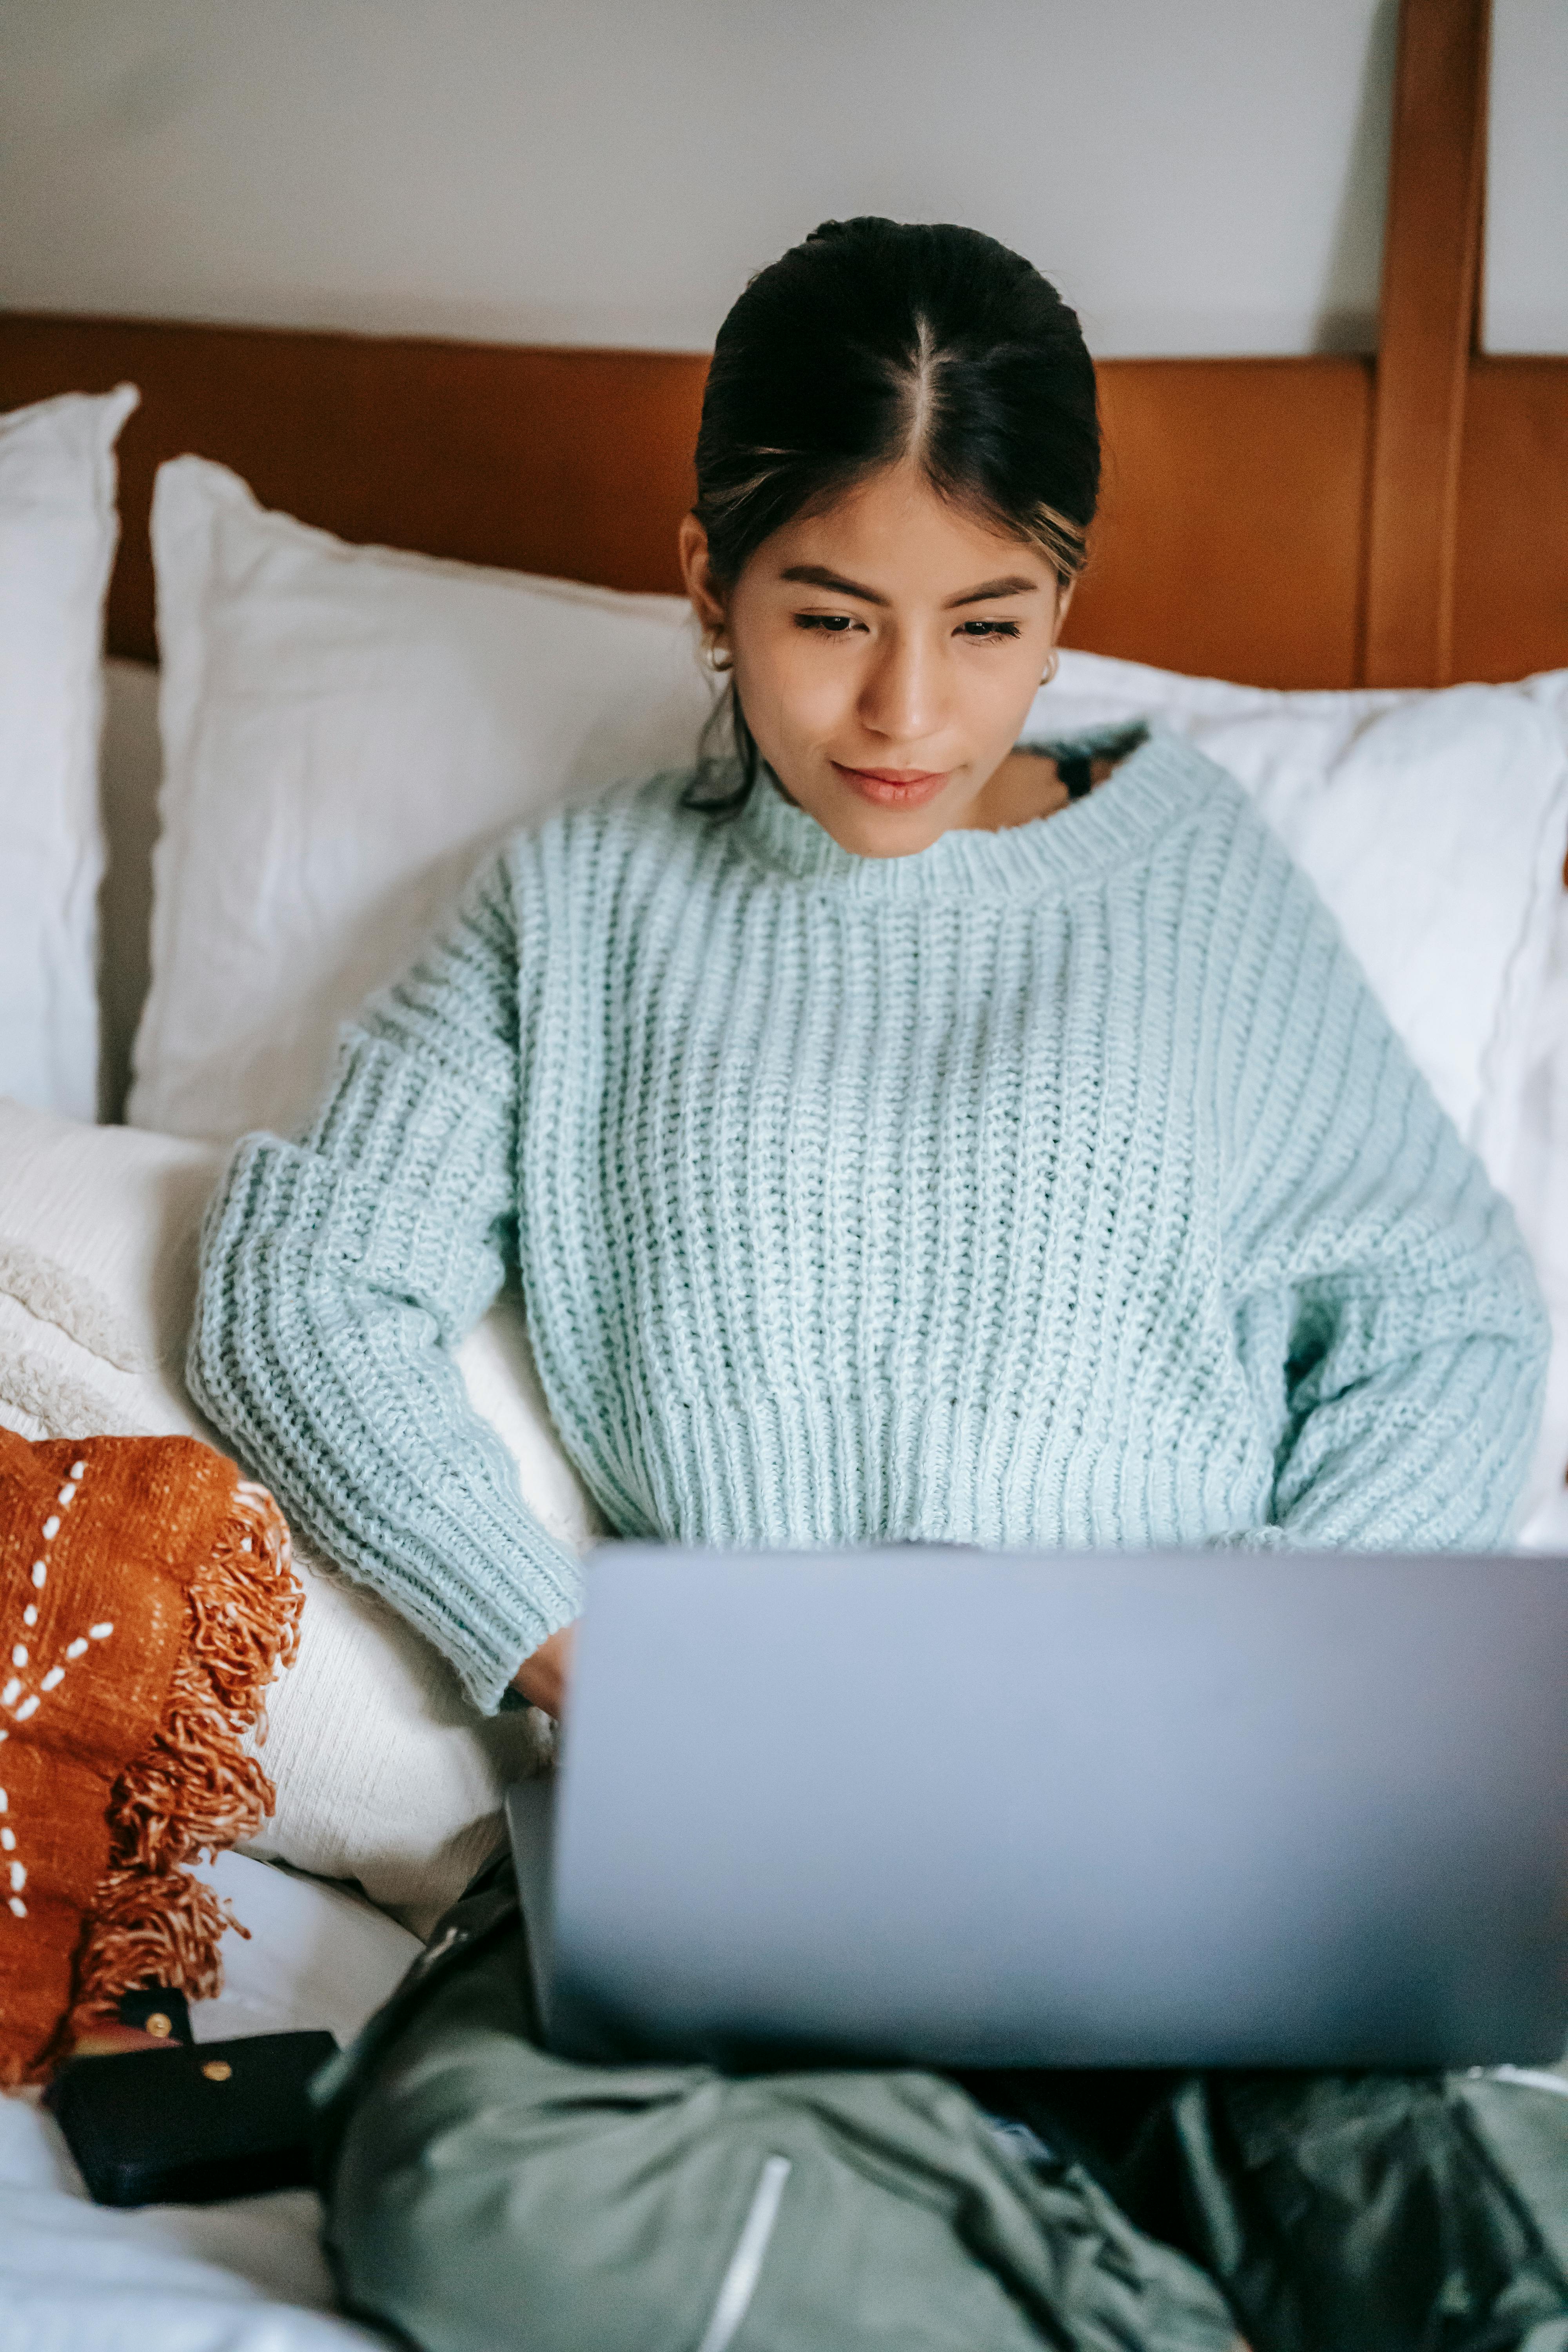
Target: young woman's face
(887,653)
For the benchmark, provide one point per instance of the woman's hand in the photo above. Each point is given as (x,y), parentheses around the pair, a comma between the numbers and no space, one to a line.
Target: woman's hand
(543,1678)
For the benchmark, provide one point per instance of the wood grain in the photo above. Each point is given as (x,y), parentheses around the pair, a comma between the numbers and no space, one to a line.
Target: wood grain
(1230,537)
(1511,584)
(1431,260)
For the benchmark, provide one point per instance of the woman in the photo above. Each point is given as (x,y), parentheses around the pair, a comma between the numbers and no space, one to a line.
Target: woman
(898,1135)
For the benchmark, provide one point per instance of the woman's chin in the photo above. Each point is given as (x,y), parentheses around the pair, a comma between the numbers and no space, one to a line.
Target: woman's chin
(872,832)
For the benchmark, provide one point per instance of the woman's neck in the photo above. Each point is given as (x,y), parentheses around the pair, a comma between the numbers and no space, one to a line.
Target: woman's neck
(1026,785)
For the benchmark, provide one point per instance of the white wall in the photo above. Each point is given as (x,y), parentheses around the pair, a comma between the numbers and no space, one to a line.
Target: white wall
(1198,175)
(1526,281)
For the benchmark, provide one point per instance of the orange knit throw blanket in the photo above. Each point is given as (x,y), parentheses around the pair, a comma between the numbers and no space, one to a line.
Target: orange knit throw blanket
(146,1600)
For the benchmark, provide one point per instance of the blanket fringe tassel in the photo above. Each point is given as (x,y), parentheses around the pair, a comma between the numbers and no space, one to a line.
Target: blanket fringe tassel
(193,1790)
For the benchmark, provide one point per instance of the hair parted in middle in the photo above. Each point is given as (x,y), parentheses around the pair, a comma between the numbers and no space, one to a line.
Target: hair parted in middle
(878,342)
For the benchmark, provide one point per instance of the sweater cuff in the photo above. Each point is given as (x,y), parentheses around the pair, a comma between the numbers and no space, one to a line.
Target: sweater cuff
(488,1664)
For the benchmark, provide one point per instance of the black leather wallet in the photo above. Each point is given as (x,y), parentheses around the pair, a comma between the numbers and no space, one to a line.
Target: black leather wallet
(190,2126)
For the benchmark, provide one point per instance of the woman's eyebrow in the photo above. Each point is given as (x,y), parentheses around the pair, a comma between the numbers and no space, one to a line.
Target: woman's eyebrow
(817,575)
(1014,585)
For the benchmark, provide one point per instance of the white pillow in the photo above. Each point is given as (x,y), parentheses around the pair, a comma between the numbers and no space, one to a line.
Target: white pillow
(1540,1186)
(345,731)
(1540,1196)
(384,1772)
(57,532)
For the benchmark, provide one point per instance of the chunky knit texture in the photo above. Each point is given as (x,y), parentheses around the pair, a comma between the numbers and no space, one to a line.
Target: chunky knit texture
(1058,1186)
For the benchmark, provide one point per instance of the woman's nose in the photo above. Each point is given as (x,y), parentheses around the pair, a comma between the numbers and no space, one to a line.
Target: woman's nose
(900,699)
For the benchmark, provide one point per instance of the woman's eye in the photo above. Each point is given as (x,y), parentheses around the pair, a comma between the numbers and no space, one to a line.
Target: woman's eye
(838,625)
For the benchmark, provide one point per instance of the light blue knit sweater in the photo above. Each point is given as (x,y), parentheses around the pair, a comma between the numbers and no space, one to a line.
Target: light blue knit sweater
(1058,1186)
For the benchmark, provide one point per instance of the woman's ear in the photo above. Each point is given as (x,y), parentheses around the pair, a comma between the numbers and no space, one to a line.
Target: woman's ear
(1064,598)
(696,571)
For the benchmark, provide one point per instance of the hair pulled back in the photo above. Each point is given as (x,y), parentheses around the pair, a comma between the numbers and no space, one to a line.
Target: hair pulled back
(876,343)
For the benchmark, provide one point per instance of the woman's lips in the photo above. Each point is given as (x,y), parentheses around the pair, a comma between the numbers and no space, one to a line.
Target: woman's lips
(894,787)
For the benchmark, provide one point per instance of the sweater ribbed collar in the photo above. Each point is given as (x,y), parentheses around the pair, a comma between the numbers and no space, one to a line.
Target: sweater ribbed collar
(1153,786)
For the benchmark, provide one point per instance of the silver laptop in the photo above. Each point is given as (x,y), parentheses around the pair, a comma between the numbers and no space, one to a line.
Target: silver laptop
(978,1809)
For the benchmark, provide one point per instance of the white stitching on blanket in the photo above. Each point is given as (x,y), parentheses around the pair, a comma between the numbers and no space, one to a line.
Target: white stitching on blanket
(16,1871)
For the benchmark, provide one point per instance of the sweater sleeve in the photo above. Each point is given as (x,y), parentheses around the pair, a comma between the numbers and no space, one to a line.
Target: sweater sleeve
(1385,1305)
(338,1271)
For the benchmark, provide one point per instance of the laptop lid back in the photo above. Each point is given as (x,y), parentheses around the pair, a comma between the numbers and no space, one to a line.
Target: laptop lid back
(981,1810)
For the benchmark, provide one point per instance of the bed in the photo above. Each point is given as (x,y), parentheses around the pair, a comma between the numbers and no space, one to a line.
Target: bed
(1334,526)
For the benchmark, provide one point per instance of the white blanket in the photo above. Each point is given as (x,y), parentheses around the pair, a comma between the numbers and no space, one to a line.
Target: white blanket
(246,2276)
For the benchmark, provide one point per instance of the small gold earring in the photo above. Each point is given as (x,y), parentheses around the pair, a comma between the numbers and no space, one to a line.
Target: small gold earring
(1055,664)
(716,661)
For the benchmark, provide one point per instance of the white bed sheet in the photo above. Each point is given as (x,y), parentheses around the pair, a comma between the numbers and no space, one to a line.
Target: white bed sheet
(246,2276)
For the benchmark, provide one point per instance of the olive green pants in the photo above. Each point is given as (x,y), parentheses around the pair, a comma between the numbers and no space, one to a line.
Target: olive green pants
(482,2193)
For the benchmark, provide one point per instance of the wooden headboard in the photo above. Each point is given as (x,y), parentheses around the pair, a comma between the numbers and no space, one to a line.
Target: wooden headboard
(1320,521)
